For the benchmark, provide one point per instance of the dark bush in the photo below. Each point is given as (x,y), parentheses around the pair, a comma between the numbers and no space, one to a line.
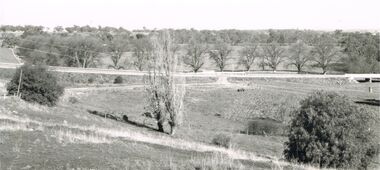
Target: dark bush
(329,130)
(118,80)
(222,140)
(91,80)
(73,100)
(265,127)
(37,85)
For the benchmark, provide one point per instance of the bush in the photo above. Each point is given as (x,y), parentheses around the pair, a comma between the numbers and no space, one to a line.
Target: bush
(90,80)
(73,100)
(265,127)
(222,140)
(329,130)
(37,85)
(118,80)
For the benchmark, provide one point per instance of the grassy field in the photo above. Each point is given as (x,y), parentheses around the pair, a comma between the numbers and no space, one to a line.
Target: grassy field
(67,136)
(6,56)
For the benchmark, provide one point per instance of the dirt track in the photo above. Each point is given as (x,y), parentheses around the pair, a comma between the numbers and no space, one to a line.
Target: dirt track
(203,74)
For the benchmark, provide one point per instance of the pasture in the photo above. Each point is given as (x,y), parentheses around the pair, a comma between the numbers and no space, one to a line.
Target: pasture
(68,136)
(6,56)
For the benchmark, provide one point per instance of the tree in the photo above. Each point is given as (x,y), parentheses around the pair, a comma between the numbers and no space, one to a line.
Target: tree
(41,49)
(82,51)
(30,30)
(220,54)
(141,51)
(324,52)
(362,53)
(299,55)
(248,55)
(58,29)
(117,47)
(195,54)
(35,84)
(165,95)
(9,40)
(272,54)
(329,130)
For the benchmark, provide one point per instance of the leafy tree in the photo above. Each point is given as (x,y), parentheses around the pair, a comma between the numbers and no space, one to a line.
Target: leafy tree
(30,30)
(165,96)
(329,130)
(273,55)
(299,55)
(9,40)
(82,51)
(220,54)
(41,49)
(36,85)
(195,54)
(325,52)
(362,52)
(117,47)
(141,51)
(58,29)
(248,54)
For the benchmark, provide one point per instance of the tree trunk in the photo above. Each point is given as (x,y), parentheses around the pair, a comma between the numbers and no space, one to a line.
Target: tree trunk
(160,126)
(247,67)
(299,69)
(173,128)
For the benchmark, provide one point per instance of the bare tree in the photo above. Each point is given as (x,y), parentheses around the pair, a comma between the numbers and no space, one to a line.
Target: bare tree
(299,55)
(195,54)
(248,55)
(272,54)
(220,54)
(325,52)
(165,93)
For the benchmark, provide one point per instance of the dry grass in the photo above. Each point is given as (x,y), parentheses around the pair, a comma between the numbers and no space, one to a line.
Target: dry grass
(69,136)
(70,133)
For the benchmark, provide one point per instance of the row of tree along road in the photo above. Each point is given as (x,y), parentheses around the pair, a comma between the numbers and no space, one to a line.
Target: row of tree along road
(352,52)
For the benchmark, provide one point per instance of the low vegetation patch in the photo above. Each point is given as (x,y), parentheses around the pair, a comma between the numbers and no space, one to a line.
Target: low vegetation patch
(118,80)
(73,100)
(222,140)
(265,127)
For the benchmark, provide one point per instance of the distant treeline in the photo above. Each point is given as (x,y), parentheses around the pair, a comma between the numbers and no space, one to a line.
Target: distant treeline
(83,46)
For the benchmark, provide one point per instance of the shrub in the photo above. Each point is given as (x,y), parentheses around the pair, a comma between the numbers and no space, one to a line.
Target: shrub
(91,80)
(265,127)
(73,100)
(118,80)
(329,130)
(222,140)
(37,85)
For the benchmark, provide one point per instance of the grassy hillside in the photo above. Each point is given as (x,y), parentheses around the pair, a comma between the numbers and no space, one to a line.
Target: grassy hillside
(68,136)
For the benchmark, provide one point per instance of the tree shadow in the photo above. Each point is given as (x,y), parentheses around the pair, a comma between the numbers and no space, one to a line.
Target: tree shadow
(123,118)
(372,102)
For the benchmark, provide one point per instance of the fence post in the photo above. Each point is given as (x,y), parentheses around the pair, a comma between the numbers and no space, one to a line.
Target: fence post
(19,84)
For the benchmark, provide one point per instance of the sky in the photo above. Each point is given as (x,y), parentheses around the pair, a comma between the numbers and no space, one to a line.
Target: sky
(197,14)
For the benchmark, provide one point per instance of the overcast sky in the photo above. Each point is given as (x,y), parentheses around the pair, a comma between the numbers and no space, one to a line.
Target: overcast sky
(198,14)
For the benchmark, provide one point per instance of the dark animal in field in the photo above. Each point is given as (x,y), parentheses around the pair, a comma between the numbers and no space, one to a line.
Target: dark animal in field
(240,90)
(218,115)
